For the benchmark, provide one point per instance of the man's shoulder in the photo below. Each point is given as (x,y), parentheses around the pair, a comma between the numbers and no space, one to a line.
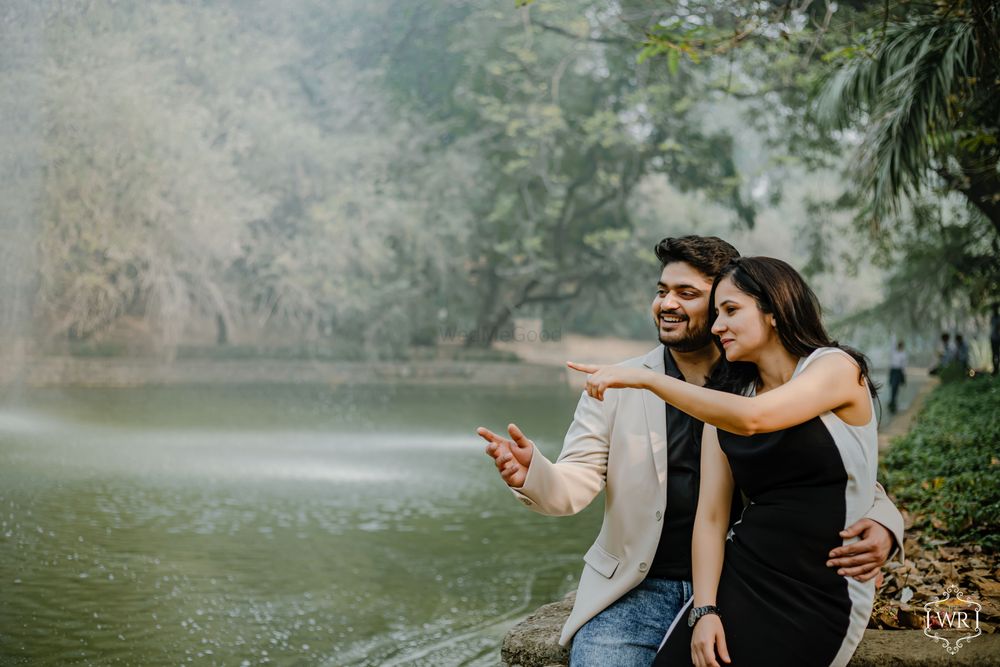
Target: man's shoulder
(614,397)
(652,358)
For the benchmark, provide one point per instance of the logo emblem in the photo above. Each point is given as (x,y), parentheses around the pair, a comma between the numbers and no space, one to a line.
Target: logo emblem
(952,620)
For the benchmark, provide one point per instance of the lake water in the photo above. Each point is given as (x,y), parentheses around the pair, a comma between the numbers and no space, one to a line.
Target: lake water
(284,525)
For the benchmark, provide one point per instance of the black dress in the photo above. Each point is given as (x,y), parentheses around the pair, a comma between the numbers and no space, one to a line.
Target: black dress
(780,603)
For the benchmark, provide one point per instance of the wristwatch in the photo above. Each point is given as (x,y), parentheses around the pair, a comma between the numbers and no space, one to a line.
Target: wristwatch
(698,612)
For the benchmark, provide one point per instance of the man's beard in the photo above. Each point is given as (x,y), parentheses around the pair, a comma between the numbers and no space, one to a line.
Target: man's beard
(694,339)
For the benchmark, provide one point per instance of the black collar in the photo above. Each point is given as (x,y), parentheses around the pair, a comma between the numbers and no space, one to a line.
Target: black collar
(670,366)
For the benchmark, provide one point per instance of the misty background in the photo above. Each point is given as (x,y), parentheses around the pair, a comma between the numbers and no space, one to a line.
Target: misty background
(348,180)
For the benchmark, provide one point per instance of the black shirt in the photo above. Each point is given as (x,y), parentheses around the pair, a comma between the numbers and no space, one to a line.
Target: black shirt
(673,554)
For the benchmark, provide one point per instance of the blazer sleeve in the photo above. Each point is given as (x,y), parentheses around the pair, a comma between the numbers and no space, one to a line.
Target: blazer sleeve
(885,513)
(580,473)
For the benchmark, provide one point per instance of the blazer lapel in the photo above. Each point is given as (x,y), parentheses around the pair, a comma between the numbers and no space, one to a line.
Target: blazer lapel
(656,418)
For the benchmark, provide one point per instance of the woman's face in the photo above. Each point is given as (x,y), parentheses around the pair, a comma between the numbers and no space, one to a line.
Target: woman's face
(740,325)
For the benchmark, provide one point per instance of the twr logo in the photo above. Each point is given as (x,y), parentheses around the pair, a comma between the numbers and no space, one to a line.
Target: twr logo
(952,619)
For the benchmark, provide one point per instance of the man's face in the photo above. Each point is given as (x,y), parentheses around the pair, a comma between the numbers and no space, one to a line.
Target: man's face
(680,308)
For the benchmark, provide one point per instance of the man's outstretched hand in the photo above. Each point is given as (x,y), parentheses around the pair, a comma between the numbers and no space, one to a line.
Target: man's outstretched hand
(512,456)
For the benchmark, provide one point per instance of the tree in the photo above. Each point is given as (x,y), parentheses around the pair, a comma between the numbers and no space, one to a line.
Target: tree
(567,123)
(927,93)
(911,89)
(134,222)
(220,169)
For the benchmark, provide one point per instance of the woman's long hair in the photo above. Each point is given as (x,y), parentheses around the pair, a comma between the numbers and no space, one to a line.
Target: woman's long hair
(780,291)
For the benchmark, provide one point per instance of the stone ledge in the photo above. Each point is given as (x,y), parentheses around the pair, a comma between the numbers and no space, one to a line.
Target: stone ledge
(534,642)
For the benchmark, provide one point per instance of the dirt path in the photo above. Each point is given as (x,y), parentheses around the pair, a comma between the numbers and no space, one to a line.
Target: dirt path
(900,423)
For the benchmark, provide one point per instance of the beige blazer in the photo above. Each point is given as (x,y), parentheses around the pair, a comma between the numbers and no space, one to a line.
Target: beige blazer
(620,445)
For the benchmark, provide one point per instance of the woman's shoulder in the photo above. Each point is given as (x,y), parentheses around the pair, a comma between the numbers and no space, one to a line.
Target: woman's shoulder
(842,356)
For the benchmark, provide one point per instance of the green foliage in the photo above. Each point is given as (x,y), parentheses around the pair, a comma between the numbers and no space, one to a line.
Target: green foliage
(911,88)
(227,170)
(945,470)
(374,171)
(349,170)
(674,39)
(941,263)
(567,124)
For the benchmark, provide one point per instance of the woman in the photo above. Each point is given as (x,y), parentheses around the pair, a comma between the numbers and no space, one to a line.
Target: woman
(797,434)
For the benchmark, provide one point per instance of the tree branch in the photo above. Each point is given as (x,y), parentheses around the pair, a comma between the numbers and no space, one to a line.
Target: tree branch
(585,38)
(981,188)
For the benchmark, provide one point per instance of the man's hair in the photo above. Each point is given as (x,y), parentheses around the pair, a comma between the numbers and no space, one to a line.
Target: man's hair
(708,254)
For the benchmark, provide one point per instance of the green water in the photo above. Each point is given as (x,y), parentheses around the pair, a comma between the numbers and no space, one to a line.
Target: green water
(271,525)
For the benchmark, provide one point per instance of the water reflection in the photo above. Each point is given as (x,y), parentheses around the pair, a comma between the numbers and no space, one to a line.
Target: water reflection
(287,525)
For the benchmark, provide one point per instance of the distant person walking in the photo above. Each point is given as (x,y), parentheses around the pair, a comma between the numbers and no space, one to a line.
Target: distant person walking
(962,353)
(897,374)
(995,338)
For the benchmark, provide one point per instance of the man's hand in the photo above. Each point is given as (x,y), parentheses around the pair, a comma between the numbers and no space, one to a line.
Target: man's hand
(863,559)
(511,456)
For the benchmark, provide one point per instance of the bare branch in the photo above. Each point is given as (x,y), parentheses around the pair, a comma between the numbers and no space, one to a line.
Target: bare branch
(584,38)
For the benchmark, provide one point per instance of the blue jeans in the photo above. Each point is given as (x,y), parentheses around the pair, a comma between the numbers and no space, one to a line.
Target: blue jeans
(628,633)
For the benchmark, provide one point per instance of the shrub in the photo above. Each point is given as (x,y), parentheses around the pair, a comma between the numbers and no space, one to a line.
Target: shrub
(946,470)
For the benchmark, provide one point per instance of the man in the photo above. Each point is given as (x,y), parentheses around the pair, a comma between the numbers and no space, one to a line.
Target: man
(646,455)
(897,374)
(995,339)
(945,354)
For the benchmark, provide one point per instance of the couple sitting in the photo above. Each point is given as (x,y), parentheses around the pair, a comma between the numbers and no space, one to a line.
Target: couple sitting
(759,491)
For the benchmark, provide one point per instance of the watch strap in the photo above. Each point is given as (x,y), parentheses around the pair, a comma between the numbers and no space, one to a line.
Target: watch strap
(699,612)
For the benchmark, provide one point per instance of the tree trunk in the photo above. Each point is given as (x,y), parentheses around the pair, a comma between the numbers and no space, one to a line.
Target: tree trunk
(490,330)
(486,327)
(221,330)
(983,191)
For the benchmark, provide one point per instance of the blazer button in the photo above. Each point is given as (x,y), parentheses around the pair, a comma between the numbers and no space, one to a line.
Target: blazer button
(525,501)
(643,567)
(659,515)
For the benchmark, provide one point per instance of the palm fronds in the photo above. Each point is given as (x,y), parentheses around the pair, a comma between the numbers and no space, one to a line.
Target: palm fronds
(910,88)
